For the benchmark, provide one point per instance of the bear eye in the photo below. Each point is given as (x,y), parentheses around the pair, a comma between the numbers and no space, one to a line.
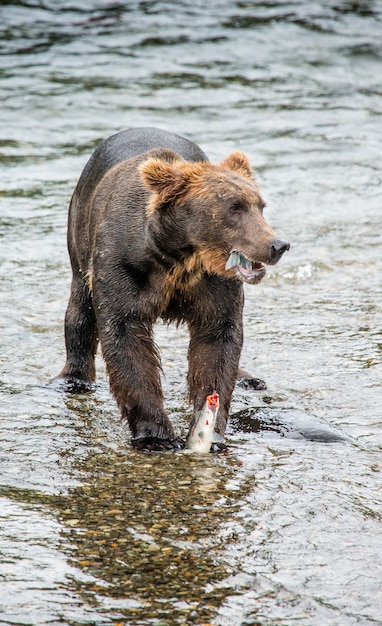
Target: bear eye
(236,207)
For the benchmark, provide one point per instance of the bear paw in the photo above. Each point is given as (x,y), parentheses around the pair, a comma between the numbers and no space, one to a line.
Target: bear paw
(247,381)
(71,385)
(156,444)
(219,448)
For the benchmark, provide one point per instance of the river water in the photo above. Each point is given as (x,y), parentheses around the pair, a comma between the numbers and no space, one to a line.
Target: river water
(287,528)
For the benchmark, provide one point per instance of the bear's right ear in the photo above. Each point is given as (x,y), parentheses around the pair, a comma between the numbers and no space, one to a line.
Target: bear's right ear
(166,179)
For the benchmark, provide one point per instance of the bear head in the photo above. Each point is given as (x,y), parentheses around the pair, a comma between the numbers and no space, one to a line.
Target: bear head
(210,213)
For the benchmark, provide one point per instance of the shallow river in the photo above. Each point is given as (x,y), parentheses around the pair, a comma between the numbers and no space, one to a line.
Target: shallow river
(286,528)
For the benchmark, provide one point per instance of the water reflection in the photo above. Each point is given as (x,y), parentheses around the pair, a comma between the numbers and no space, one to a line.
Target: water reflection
(146,529)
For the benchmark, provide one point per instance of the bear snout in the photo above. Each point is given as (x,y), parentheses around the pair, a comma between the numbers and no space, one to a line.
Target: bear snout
(277,248)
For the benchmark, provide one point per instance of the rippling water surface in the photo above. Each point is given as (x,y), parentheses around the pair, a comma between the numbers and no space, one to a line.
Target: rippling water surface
(287,528)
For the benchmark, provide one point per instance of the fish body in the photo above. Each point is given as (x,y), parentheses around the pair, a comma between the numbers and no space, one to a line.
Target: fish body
(202,434)
(245,268)
(236,258)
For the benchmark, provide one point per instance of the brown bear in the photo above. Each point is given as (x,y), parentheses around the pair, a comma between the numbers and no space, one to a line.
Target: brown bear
(157,231)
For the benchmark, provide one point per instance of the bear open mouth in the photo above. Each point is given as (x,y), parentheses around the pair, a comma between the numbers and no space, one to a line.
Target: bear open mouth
(247,269)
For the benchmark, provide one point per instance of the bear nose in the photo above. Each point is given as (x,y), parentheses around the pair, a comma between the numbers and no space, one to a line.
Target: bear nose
(277,249)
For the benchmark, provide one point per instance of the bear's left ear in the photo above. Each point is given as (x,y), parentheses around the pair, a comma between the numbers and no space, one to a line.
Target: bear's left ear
(166,179)
(238,162)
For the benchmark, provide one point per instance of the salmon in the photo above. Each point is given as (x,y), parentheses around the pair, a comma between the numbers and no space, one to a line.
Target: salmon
(202,435)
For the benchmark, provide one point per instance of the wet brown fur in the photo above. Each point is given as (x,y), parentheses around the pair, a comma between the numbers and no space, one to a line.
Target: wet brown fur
(151,239)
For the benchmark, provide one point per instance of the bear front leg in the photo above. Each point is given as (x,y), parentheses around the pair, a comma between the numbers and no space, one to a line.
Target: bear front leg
(133,367)
(81,338)
(215,321)
(213,356)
